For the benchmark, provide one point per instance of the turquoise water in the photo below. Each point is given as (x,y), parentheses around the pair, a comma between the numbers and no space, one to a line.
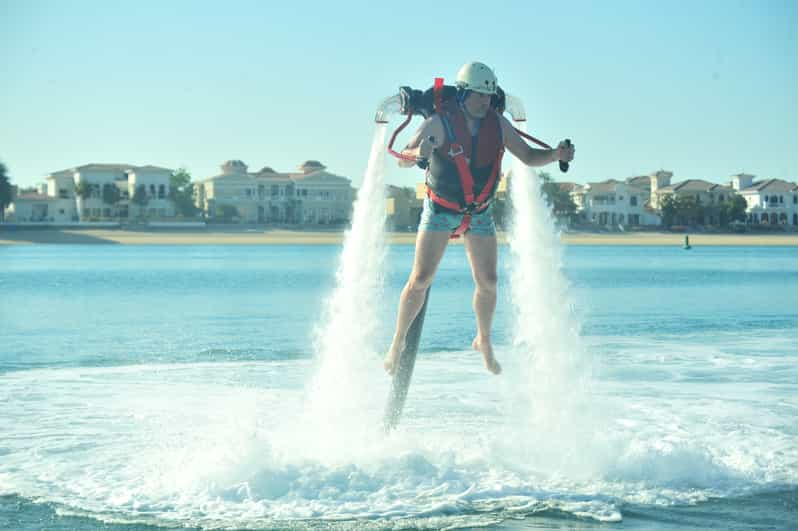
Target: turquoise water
(166,386)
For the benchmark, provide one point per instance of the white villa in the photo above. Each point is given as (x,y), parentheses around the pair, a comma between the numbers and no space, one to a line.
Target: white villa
(770,202)
(59,201)
(311,196)
(615,202)
(638,200)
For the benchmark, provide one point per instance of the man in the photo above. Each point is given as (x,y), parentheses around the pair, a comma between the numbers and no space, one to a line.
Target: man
(472,130)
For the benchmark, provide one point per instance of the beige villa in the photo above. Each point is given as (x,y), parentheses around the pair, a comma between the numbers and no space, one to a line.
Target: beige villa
(310,196)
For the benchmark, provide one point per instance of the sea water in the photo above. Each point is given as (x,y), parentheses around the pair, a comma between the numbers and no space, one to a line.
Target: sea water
(170,386)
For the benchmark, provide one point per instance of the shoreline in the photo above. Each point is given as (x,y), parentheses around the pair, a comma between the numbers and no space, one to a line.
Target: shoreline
(296,237)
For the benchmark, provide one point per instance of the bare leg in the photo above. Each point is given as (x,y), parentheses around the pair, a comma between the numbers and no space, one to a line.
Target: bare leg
(482,254)
(430,247)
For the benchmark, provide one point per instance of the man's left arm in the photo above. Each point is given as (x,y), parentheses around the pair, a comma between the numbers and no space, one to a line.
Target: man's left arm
(529,155)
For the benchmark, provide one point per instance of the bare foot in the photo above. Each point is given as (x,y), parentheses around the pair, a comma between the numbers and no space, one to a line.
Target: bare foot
(391,361)
(491,363)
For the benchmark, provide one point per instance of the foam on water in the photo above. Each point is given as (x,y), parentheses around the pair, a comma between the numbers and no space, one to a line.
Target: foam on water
(182,445)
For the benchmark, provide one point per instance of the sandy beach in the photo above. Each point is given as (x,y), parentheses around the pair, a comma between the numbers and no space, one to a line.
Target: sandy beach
(283,237)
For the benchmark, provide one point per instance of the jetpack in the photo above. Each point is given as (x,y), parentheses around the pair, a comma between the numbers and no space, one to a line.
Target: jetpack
(411,102)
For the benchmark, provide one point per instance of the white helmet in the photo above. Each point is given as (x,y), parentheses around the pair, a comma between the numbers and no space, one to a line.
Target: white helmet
(477,77)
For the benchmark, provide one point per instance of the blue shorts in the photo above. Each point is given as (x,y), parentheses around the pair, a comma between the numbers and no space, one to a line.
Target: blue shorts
(446,221)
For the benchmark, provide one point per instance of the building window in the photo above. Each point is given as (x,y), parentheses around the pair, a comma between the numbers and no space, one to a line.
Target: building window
(152,190)
(304,193)
(161,191)
(63,193)
(781,199)
(720,198)
(248,192)
(795,200)
(633,200)
(275,190)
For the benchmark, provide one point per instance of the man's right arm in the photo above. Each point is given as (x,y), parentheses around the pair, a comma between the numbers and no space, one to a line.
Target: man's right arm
(421,145)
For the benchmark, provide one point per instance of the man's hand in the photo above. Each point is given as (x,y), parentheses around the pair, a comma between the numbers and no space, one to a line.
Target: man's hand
(565,151)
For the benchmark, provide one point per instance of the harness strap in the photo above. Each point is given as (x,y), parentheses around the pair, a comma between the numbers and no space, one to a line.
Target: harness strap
(472,205)
(437,91)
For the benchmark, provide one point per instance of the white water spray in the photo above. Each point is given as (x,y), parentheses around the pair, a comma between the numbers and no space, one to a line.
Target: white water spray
(344,385)
(554,369)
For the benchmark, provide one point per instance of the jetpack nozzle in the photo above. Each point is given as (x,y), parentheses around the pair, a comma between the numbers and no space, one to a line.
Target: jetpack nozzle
(389,106)
(514,107)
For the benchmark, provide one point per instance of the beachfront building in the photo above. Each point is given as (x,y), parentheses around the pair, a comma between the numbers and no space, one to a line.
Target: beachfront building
(707,194)
(136,192)
(615,203)
(310,196)
(39,205)
(769,201)
(97,192)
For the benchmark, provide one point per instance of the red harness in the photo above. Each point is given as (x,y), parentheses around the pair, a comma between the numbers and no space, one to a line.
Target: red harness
(457,155)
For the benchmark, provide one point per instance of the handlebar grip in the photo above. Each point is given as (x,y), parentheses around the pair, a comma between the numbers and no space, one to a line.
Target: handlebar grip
(424,163)
(563,164)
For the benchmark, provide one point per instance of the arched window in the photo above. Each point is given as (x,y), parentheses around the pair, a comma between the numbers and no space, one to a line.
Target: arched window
(795,219)
(756,219)
(783,218)
(774,220)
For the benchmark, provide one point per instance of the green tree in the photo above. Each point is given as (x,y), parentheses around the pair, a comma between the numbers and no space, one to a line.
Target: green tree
(140,198)
(83,189)
(733,210)
(693,210)
(181,192)
(558,198)
(111,194)
(668,210)
(689,210)
(5,190)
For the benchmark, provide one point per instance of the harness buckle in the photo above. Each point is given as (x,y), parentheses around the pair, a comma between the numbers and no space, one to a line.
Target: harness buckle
(453,153)
(471,208)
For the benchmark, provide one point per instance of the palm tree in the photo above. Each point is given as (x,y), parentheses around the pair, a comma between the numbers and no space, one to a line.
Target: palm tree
(5,190)
(111,195)
(140,198)
(83,190)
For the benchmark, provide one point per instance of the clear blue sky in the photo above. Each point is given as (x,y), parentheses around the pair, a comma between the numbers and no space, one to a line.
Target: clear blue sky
(705,89)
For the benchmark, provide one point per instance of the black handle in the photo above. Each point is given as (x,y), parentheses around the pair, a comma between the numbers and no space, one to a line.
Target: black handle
(424,163)
(563,164)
